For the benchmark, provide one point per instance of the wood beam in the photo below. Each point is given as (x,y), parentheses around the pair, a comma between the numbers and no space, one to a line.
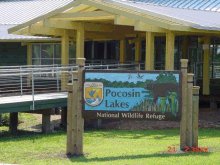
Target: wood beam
(97,36)
(172,25)
(120,20)
(90,9)
(78,8)
(60,24)
(38,29)
(140,26)
(23,31)
(50,14)
(149,58)
(80,37)
(206,66)
(83,16)
(163,23)
(169,59)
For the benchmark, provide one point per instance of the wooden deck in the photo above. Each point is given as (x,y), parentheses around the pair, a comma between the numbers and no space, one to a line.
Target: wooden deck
(25,102)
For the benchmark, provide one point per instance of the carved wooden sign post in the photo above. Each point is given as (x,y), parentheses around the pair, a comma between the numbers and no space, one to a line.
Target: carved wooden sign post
(144,95)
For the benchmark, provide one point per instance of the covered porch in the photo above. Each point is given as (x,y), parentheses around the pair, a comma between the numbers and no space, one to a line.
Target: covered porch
(156,36)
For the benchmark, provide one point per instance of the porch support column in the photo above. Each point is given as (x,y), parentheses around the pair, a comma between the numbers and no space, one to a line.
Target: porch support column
(169,59)
(13,125)
(80,37)
(65,48)
(122,51)
(206,66)
(29,54)
(46,127)
(138,51)
(149,56)
(64,57)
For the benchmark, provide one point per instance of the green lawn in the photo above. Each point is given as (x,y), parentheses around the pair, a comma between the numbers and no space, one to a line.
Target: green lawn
(109,147)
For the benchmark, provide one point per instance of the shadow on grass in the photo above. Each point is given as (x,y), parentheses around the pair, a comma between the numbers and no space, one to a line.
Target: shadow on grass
(153,134)
(132,157)
(6,136)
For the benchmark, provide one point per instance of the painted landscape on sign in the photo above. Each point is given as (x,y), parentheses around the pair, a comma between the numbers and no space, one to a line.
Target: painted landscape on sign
(134,92)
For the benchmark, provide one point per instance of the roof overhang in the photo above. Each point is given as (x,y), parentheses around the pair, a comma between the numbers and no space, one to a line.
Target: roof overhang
(110,19)
(5,37)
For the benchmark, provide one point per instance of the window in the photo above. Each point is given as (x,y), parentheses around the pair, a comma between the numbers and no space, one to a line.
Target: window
(46,54)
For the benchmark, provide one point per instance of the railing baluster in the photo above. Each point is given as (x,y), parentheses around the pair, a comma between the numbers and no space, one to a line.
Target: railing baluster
(21,82)
(33,108)
(57,75)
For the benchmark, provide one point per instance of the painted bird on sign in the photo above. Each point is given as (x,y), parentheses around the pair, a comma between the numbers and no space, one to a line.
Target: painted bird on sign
(92,92)
(140,76)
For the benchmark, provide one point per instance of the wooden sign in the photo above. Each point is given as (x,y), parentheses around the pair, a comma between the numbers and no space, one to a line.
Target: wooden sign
(132,95)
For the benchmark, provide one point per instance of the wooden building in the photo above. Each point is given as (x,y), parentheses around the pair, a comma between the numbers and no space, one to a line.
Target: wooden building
(161,32)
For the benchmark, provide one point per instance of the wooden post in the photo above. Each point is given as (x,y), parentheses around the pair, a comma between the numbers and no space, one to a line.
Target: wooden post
(80,120)
(184,65)
(75,122)
(80,61)
(189,110)
(29,54)
(206,76)
(149,57)
(64,58)
(80,37)
(170,43)
(46,127)
(195,117)
(122,53)
(13,125)
(71,107)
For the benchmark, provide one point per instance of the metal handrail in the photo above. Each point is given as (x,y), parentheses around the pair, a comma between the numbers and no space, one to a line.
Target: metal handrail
(32,80)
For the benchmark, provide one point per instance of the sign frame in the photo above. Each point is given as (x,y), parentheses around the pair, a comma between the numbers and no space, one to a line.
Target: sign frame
(133,115)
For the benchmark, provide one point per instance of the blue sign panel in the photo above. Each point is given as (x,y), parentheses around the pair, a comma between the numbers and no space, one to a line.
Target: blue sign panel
(134,95)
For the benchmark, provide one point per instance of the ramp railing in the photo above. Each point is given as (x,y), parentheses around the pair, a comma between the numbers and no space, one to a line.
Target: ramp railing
(33,80)
(26,79)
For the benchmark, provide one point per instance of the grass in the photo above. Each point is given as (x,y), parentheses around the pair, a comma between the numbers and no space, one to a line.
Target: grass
(26,122)
(108,147)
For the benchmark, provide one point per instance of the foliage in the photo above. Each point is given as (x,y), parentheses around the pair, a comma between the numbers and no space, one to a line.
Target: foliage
(166,78)
(4,119)
(120,84)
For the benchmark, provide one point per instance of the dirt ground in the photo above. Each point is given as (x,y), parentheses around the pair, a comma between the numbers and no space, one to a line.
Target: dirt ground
(207,119)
